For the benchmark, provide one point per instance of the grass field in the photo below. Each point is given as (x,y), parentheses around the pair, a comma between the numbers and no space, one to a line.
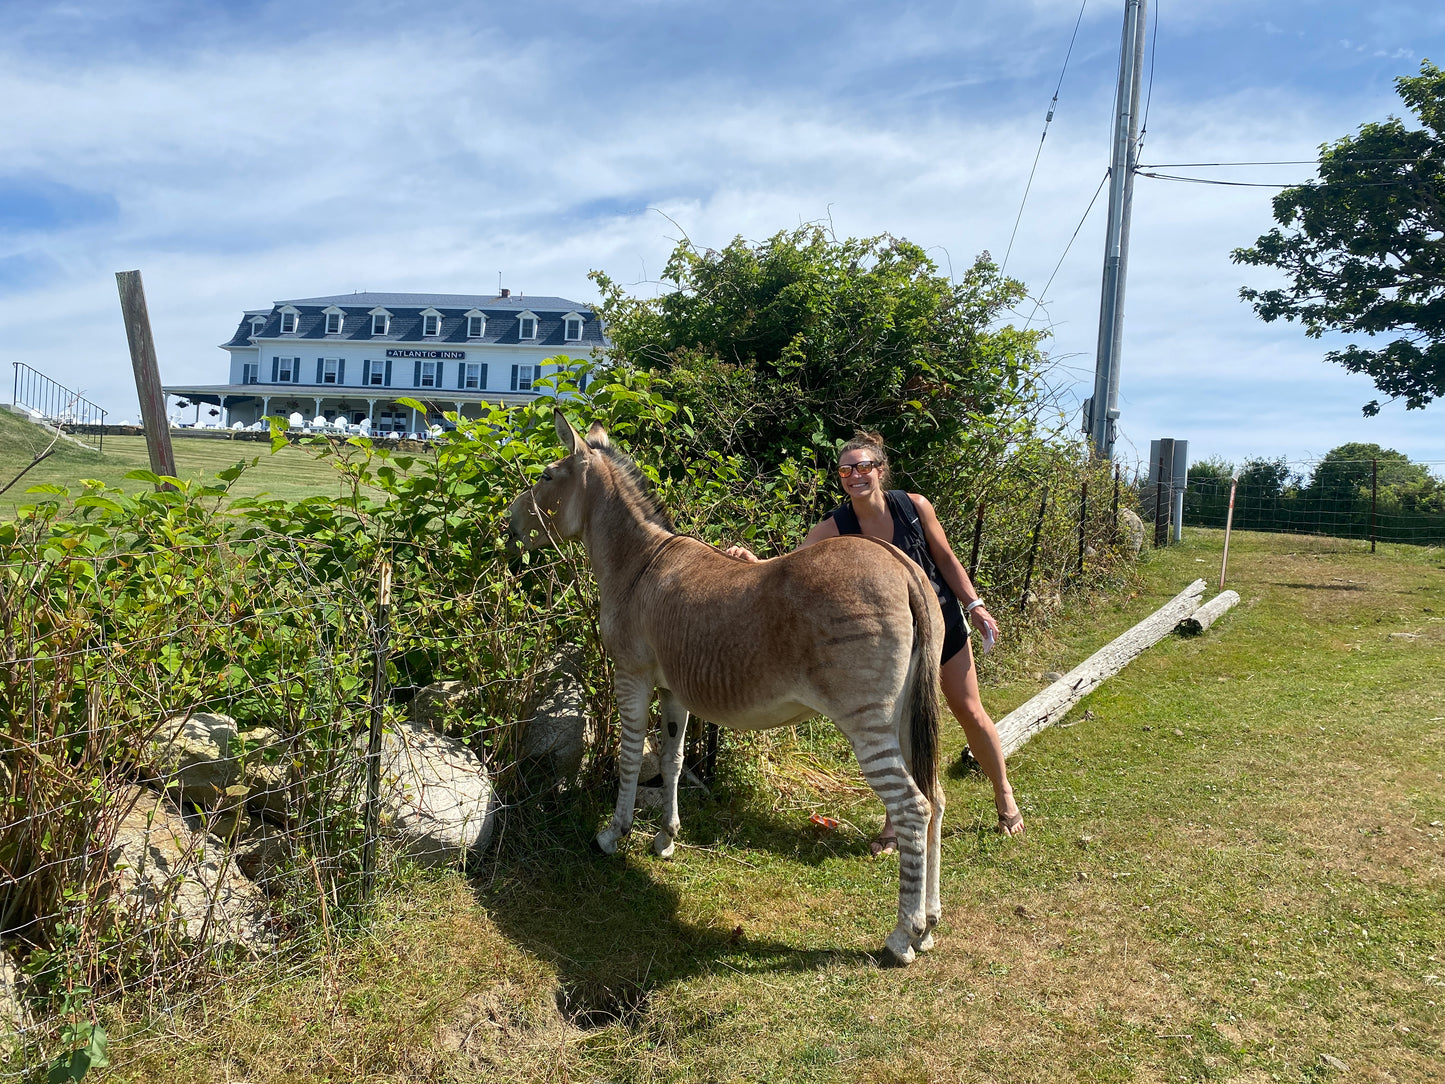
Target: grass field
(292,472)
(1233,871)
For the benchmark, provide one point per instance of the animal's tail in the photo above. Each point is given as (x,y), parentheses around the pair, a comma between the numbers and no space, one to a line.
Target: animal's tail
(923,696)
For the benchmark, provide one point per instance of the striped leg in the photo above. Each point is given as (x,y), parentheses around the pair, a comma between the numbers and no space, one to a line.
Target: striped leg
(933,908)
(633,696)
(674,734)
(881,760)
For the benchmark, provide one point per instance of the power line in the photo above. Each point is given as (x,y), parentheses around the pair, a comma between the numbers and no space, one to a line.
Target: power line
(1294,162)
(1047,121)
(1044,292)
(1276,184)
(1149,97)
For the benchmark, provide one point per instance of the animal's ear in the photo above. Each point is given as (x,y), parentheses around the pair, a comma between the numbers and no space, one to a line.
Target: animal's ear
(570,438)
(598,435)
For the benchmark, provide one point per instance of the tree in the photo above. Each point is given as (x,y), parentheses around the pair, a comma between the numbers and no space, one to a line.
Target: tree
(1365,248)
(779,350)
(1347,473)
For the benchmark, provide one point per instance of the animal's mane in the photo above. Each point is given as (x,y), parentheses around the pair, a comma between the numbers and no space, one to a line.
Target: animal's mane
(636,485)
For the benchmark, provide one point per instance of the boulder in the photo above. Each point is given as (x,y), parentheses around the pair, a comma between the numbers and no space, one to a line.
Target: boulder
(435,703)
(1132,528)
(15,1015)
(263,854)
(436,798)
(558,729)
(170,876)
(195,757)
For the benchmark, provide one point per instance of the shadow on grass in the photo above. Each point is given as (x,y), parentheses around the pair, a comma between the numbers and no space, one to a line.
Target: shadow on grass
(610,925)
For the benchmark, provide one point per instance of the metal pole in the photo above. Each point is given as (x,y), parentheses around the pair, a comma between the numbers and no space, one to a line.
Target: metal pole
(1114,513)
(1083,521)
(1374,498)
(147,372)
(1161,510)
(1228,525)
(1034,550)
(379,694)
(1104,405)
(977,541)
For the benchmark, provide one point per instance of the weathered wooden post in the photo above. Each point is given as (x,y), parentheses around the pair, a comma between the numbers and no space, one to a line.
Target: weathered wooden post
(147,373)
(379,695)
(1083,521)
(1228,525)
(1114,512)
(1034,551)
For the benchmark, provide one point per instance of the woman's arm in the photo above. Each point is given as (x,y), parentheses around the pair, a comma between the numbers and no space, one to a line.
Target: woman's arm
(822,529)
(952,570)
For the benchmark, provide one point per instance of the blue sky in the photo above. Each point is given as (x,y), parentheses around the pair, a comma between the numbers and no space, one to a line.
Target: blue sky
(243,153)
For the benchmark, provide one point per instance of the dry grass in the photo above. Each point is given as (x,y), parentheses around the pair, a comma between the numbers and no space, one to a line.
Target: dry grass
(1233,872)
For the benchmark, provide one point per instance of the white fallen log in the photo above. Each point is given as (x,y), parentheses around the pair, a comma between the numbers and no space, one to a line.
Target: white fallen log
(1051,705)
(1210,612)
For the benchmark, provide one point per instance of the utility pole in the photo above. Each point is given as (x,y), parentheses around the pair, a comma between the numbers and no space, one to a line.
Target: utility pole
(1102,411)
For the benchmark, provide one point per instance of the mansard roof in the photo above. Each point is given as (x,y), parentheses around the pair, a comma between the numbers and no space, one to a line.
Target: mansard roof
(406,319)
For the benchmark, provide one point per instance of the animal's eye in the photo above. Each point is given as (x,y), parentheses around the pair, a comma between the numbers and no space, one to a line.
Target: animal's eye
(547,474)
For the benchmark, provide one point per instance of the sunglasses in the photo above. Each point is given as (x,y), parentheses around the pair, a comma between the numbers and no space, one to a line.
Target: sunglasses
(863,466)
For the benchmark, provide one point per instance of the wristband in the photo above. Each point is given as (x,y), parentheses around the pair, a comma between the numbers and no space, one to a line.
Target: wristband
(975,604)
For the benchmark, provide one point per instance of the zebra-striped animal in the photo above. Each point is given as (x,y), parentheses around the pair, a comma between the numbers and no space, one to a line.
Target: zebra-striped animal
(848,628)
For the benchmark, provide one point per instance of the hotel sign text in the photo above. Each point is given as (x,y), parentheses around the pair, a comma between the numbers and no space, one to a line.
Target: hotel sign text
(444,355)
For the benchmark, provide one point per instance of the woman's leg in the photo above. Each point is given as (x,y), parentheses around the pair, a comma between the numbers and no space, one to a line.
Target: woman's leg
(959,678)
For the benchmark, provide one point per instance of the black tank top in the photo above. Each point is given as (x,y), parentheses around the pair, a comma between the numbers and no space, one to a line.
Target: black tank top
(907,536)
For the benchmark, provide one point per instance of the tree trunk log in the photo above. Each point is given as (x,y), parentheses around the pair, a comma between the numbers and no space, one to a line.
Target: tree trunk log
(1051,705)
(1207,614)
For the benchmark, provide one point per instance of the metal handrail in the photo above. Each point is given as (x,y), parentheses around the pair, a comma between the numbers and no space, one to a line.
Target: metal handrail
(57,404)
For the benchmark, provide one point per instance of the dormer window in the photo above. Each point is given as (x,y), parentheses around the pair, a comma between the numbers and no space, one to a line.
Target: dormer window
(333,322)
(380,321)
(476,325)
(288,323)
(431,323)
(572,328)
(527,326)
(256,326)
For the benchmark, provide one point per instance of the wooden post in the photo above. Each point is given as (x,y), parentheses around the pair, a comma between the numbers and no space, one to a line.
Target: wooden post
(1161,510)
(147,373)
(1114,513)
(1228,525)
(1033,551)
(1374,498)
(1083,521)
(379,696)
(977,541)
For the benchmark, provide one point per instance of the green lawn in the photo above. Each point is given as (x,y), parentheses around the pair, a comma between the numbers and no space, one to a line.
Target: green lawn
(294,471)
(1233,871)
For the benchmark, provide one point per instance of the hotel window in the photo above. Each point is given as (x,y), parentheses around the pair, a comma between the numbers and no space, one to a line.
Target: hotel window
(333,323)
(431,325)
(574,329)
(333,371)
(288,323)
(524,375)
(250,373)
(285,370)
(476,325)
(379,323)
(376,373)
(474,376)
(527,327)
(426,374)
(256,326)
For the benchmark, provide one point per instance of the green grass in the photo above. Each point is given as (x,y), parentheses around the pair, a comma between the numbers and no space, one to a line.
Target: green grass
(293,472)
(1232,869)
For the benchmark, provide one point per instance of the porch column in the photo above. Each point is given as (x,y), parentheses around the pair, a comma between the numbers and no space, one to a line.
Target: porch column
(318,407)
(265,407)
(371,413)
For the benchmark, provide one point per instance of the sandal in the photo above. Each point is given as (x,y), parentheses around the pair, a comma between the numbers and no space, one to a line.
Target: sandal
(883,845)
(1010,824)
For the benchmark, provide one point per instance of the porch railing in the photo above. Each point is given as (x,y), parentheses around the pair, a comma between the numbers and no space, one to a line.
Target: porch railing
(57,404)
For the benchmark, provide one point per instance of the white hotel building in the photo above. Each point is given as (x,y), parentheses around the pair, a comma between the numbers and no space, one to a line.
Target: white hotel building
(352,355)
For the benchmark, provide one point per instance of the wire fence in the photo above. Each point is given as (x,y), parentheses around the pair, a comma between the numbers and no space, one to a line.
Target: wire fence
(1380,500)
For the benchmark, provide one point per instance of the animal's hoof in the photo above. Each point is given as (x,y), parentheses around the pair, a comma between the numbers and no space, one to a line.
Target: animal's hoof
(663,845)
(924,943)
(897,950)
(603,845)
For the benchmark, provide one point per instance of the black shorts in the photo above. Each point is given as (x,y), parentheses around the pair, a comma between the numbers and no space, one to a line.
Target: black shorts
(955,635)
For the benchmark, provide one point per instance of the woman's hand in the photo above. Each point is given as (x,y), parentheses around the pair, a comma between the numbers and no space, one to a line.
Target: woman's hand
(743,553)
(985,623)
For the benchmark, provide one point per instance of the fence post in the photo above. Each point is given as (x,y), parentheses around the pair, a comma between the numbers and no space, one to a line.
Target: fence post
(1034,551)
(1374,497)
(1083,521)
(1161,510)
(147,372)
(379,695)
(1114,512)
(1228,525)
(977,540)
